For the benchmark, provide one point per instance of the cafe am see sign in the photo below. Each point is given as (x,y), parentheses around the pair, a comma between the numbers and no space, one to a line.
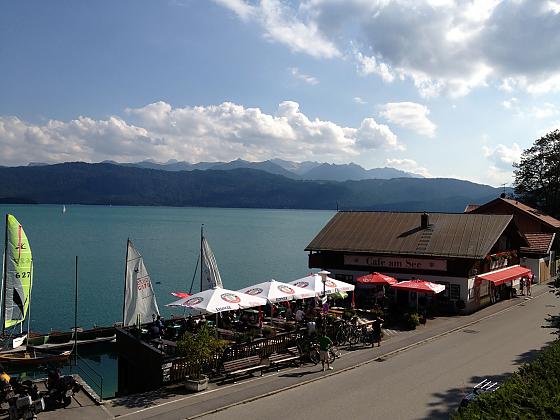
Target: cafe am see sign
(396,262)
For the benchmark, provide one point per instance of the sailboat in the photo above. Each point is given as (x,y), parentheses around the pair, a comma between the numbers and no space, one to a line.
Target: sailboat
(17,282)
(139,304)
(63,209)
(209,274)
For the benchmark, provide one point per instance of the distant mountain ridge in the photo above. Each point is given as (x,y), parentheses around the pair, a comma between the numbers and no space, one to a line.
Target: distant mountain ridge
(106,183)
(294,170)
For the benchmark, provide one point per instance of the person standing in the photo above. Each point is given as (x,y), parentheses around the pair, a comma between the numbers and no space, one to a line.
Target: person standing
(377,330)
(325,344)
(530,283)
(521,284)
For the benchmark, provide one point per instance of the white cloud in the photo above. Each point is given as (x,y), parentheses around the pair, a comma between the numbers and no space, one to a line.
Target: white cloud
(443,46)
(202,133)
(282,24)
(410,115)
(372,135)
(510,103)
(503,156)
(369,65)
(239,7)
(408,165)
(302,76)
(547,110)
(359,100)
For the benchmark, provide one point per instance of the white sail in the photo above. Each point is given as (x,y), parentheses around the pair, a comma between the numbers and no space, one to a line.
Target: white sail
(139,297)
(210,275)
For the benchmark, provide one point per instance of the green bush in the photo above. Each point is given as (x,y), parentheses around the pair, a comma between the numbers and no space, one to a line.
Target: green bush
(197,349)
(267,332)
(411,321)
(532,392)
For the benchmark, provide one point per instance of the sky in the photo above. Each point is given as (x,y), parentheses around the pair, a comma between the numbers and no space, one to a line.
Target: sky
(442,88)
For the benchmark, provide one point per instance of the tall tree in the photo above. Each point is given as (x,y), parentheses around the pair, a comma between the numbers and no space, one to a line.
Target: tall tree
(537,176)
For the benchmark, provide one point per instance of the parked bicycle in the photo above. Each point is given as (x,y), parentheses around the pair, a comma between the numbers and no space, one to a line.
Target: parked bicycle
(309,348)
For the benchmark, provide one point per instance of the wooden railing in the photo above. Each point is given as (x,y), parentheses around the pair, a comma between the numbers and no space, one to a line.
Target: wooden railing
(176,368)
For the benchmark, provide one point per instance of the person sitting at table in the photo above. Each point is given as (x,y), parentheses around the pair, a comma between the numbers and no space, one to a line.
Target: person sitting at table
(190,324)
(289,313)
(300,315)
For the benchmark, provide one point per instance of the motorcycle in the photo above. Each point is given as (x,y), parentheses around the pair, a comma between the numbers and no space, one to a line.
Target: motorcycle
(60,389)
(24,401)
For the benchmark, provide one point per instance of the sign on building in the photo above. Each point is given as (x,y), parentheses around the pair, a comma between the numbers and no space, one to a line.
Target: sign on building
(396,262)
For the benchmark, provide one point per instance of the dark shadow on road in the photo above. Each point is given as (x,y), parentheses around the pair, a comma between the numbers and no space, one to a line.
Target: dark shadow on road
(530,355)
(148,399)
(299,374)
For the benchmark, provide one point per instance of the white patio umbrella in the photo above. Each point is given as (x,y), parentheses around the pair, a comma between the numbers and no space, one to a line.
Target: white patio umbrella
(213,301)
(314,283)
(277,291)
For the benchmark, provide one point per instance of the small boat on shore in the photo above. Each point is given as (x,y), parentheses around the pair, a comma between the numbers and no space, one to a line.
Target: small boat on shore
(30,357)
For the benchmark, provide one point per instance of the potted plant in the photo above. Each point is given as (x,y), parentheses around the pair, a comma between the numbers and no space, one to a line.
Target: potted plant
(197,349)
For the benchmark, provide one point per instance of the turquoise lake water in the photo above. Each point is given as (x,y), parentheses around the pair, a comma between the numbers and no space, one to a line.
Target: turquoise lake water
(250,245)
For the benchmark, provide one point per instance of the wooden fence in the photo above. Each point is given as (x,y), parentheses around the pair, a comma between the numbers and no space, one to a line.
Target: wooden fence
(175,369)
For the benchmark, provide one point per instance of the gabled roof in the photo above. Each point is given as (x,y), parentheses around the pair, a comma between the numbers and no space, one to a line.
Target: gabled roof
(471,207)
(470,236)
(544,218)
(539,243)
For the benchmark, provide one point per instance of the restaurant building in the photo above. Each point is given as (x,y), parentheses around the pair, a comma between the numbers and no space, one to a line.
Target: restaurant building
(540,231)
(474,255)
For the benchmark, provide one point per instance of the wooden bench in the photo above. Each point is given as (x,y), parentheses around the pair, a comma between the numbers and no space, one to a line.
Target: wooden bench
(290,355)
(243,366)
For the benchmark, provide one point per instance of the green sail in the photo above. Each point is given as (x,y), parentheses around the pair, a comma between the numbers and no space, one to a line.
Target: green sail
(18,273)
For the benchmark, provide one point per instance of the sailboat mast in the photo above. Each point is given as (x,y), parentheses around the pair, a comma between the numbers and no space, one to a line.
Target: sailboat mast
(125,272)
(4,278)
(201,255)
(29,305)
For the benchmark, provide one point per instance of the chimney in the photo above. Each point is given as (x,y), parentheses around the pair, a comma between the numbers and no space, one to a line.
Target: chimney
(424,220)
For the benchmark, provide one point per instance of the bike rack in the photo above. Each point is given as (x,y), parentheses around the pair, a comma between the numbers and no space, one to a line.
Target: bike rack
(486,385)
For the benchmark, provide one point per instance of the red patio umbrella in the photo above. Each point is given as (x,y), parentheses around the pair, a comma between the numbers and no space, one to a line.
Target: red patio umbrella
(376,278)
(419,286)
(181,295)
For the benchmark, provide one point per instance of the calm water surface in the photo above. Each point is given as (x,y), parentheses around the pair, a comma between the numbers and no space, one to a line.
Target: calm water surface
(250,245)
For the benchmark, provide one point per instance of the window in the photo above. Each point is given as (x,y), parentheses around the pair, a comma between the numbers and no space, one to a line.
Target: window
(445,293)
(344,277)
(455,291)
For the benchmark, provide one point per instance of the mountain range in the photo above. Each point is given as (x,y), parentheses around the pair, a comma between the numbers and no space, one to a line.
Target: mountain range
(106,183)
(295,170)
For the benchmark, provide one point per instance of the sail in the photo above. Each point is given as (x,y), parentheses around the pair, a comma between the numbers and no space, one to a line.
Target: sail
(210,274)
(18,273)
(139,297)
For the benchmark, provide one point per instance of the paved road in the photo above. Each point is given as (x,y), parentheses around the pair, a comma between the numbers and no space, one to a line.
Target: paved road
(427,381)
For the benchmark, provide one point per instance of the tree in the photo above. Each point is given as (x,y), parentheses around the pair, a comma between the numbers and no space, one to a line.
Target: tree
(537,176)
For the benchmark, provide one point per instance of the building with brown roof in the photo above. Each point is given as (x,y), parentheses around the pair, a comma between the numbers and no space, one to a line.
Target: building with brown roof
(540,230)
(451,249)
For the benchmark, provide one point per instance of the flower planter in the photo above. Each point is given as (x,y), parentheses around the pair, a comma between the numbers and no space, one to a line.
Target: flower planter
(196,385)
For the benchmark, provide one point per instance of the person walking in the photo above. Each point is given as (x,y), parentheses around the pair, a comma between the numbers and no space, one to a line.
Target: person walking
(530,283)
(377,330)
(521,284)
(325,344)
